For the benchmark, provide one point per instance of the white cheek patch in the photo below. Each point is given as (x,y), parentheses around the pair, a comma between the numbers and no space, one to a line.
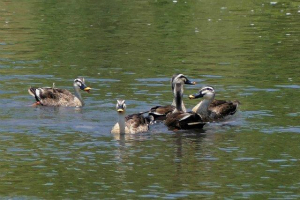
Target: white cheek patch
(38,92)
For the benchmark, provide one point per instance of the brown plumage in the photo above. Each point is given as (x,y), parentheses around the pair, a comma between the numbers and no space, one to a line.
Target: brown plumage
(160,112)
(210,109)
(49,96)
(223,108)
(184,120)
(131,124)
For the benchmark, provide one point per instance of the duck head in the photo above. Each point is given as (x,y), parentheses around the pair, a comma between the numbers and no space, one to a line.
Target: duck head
(79,84)
(121,106)
(180,78)
(206,92)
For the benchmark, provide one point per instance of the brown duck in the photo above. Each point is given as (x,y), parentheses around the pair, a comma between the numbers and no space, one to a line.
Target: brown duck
(131,124)
(180,119)
(50,96)
(160,112)
(210,109)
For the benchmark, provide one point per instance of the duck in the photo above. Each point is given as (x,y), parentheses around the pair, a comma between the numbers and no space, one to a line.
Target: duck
(160,112)
(210,109)
(180,119)
(51,96)
(130,124)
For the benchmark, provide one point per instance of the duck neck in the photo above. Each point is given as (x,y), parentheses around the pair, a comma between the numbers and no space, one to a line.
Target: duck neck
(78,94)
(178,95)
(121,123)
(182,104)
(202,107)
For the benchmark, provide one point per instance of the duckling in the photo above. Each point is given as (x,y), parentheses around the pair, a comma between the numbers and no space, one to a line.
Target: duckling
(50,96)
(210,109)
(131,124)
(160,112)
(180,119)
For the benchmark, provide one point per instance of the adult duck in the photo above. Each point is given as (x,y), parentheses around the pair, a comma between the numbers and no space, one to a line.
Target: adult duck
(180,119)
(50,96)
(160,112)
(131,124)
(209,108)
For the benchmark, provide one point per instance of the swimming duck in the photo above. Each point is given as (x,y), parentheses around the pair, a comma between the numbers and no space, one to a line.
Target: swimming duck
(131,124)
(50,96)
(160,112)
(210,109)
(180,119)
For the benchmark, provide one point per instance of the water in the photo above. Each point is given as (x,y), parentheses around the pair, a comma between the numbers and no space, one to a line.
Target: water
(247,50)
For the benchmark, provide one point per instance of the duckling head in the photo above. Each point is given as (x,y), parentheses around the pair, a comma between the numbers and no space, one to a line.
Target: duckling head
(121,106)
(206,92)
(180,78)
(79,84)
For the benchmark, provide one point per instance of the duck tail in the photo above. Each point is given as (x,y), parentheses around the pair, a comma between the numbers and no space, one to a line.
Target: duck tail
(237,102)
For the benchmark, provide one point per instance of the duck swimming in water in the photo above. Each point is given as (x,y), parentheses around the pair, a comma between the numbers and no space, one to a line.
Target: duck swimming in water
(180,119)
(50,96)
(160,112)
(131,124)
(210,109)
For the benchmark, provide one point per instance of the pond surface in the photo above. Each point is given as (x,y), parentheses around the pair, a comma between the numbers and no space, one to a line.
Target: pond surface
(246,50)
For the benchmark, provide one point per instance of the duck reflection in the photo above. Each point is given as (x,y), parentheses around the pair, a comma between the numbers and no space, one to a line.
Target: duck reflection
(193,138)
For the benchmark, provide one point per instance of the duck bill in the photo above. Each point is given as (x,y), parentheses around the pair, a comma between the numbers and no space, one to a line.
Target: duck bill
(120,110)
(188,82)
(87,89)
(196,96)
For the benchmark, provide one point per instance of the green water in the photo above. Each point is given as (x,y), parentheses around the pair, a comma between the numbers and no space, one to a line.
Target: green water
(246,50)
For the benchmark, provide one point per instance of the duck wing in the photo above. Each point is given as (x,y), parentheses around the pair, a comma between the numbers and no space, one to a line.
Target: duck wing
(223,108)
(160,112)
(184,120)
(137,123)
(216,103)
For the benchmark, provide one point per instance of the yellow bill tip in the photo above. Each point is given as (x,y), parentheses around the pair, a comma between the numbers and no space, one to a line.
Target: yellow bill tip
(192,96)
(87,89)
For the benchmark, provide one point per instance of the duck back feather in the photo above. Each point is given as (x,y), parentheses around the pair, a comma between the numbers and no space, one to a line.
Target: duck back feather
(222,108)
(160,112)
(184,120)
(48,96)
(135,123)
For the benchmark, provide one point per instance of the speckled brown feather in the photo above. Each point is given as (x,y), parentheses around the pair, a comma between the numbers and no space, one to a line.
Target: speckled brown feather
(184,120)
(160,112)
(137,123)
(223,108)
(56,97)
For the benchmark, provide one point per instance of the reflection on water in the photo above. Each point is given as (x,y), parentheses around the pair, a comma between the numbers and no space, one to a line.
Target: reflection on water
(129,49)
